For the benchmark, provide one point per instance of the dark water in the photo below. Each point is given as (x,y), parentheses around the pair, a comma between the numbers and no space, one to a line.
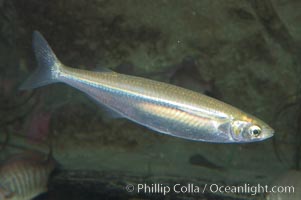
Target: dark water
(245,53)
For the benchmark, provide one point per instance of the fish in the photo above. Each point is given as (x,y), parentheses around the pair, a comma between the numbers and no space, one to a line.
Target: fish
(25,175)
(162,107)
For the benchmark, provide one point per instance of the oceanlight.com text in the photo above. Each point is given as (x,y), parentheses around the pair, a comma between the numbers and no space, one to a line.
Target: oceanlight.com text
(190,188)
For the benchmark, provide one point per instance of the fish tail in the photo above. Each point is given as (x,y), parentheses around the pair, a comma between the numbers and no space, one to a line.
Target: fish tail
(49,67)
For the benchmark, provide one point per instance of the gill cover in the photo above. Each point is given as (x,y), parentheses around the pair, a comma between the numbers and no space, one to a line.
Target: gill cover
(245,131)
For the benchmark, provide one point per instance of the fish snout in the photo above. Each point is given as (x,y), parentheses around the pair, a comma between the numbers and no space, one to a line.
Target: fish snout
(267,132)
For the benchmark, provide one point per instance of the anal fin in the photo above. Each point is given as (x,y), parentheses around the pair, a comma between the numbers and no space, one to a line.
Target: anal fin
(110,113)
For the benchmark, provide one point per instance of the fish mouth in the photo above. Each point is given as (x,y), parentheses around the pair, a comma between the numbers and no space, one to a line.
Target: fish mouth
(268,132)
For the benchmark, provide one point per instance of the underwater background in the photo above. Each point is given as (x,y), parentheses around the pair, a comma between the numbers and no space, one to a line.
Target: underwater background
(244,52)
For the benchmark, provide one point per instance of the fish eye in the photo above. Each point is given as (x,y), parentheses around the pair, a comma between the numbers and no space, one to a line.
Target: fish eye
(255,130)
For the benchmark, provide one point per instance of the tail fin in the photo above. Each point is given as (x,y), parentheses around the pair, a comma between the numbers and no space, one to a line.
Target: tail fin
(48,64)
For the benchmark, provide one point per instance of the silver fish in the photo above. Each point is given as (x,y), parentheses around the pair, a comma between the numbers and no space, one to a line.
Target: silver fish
(24,176)
(162,107)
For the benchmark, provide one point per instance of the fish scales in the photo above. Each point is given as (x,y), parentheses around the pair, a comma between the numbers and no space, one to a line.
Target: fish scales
(141,99)
(152,90)
(160,106)
(24,177)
